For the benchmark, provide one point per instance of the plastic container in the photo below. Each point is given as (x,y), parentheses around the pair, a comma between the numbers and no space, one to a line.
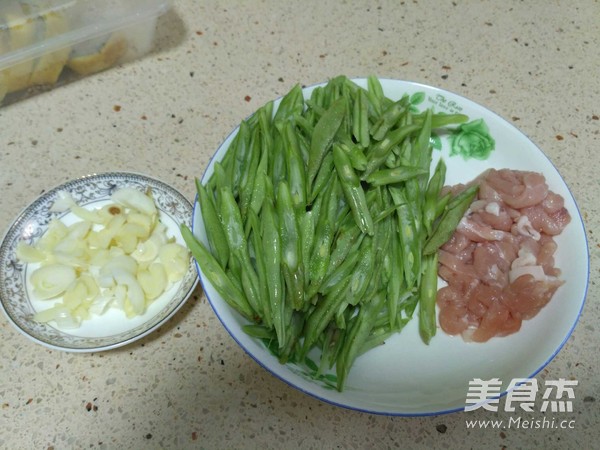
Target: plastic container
(44,42)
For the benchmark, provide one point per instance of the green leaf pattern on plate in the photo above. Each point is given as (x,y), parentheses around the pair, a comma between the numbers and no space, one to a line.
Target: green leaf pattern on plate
(311,372)
(470,140)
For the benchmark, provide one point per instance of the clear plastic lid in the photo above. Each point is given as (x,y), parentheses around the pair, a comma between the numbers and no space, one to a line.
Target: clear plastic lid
(40,38)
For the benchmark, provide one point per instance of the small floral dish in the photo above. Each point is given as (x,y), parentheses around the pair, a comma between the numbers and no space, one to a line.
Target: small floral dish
(113,328)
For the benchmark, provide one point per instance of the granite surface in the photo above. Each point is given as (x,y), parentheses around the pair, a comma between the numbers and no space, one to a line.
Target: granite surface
(188,385)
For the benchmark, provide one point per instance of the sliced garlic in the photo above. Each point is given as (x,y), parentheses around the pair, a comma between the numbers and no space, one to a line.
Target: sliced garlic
(153,280)
(55,233)
(175,260)
(29,253)
(135,199)
(147,251)
(52,280)
(118,256)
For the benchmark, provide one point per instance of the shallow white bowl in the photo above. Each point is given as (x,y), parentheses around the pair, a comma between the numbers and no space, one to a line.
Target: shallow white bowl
(404,376)
(112,329)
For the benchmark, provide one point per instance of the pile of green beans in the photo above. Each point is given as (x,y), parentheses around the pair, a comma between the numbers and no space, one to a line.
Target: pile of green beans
(324,221)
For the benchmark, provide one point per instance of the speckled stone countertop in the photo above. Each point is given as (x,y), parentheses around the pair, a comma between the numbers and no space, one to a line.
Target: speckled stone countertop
(188,385)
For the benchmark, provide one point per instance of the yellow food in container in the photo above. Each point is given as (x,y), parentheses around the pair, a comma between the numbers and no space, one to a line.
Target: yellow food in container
(42,41)
(114,49)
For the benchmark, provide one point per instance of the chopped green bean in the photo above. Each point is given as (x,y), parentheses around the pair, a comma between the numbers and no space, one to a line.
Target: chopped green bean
(295,167)
(241,151)
(449,221)
(323,221)
(357,335)
(272,254)
(323,134)
(324,234)
(232,295)
(381,150)
(428,293)
(355,154)
(247,181)
(261,269)
(212,224)
(395,175)
(389,118)
(432,195)
(408,237)
(320,317)
(323,176)
(291,247)
(360,120)
(233,226)
(290,107)
(353,191)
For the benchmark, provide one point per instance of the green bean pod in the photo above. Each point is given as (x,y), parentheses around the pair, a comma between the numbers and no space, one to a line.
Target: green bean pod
(323,177)
(396,175)
(379,152)
(353,191)
(305,126)
(394,287)
(389,118)
(259,187)
(441,119)
(432,195)
(265,124)
(261,269)
(307,233)
(376,96)
(447,224)
(357,335)
(290,107)
(291,247)
(248,177)
(259,331)
(272,253)
(212,224)
(277,160)
(295,328)
(442,204)
(295,168)
(219,178)
(428,295)
(324,132)
(233,226)
(408,237)
(347,238)
(355,154)
(343,270)
(240,148)
(320,317)
(363,272)
(360,119)
(324,234)
(211,268)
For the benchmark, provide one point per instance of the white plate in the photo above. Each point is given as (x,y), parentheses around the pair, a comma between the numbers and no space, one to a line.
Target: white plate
(112,329)
(404,376)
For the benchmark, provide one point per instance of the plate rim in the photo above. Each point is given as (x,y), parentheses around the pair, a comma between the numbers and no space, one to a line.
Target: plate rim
(575,215)
(16,223)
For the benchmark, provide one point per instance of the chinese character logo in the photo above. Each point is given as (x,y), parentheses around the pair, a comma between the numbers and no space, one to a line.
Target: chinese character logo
(483,394)
(557,395)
